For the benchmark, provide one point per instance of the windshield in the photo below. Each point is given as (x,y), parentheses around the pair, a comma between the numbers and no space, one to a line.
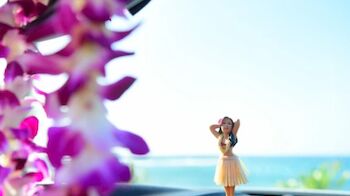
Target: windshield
(278,66)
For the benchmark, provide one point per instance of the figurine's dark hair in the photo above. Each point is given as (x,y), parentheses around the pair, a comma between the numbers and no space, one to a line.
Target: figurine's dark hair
(232,137)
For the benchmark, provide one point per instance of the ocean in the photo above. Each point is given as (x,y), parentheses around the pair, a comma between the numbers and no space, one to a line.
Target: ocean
(197,172)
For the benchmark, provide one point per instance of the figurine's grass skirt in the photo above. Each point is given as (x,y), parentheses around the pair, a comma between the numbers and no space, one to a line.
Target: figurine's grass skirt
(229,171)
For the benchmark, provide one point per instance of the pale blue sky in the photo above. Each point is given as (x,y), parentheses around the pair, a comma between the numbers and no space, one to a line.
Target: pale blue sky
(280,66)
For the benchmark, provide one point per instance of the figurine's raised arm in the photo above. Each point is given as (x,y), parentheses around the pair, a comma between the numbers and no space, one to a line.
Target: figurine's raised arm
(213,130)
(236,126)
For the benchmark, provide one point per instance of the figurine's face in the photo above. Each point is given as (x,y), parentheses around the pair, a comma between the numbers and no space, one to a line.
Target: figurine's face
(226,125)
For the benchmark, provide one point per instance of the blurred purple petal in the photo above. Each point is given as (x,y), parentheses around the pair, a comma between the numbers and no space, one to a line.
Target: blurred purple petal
(63,141)
(133,142)
(118,53)
(28,178)
(3,142)
(34,147)
(27,129)
(4,51)
(42,167)
(104,177)
(115,90)
(7,98)
(73,84)
(106,39)
(35,63)
(30,123)
(64,190)
(101,11)
(97,11)
(21,134)
(4,172)
(35,176)
(52,106)
(106,56)
(3,29)
(13,69)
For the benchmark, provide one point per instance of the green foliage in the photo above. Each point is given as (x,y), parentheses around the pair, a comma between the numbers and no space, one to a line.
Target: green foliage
(137,175)
(326,176)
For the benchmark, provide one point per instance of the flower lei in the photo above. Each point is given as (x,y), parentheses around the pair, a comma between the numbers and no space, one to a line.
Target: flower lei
(80,138)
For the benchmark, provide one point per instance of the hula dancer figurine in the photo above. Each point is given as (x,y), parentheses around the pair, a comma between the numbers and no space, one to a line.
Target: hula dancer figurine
(229,172)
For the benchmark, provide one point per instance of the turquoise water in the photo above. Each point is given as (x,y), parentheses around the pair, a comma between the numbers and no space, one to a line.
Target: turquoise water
(197,172)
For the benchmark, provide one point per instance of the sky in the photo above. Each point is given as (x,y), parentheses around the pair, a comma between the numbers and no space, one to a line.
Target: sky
(281,67)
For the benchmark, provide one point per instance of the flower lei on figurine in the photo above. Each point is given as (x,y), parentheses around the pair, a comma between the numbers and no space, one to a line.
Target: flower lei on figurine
(224,144)
(81,139)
